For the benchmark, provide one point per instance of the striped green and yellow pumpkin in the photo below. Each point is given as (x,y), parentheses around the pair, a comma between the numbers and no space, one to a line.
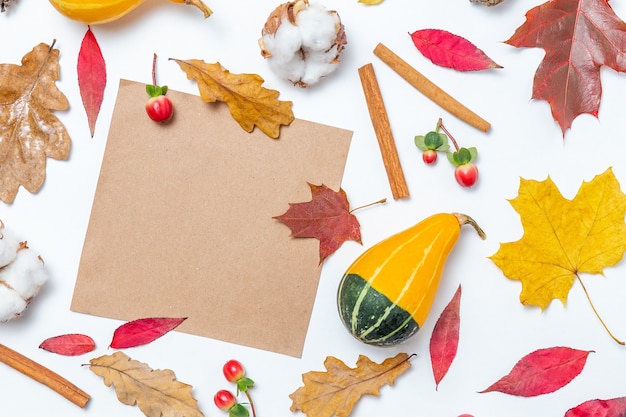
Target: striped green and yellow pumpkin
(385,295)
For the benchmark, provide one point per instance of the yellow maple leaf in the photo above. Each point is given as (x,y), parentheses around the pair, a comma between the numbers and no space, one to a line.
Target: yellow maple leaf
(564,238)
(249,102)
(29,131)
(157,393)
(336,391)
(370,2)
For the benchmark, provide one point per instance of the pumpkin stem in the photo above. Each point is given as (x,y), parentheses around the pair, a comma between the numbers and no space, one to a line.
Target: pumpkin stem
(465,219)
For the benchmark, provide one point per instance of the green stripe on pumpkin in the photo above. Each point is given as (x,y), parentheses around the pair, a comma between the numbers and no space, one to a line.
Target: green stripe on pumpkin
(370,316)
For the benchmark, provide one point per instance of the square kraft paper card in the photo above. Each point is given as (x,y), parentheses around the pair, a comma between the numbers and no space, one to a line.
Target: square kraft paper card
(182,222)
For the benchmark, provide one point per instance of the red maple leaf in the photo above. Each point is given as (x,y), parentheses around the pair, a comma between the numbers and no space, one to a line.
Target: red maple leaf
(579,37)
(326,217)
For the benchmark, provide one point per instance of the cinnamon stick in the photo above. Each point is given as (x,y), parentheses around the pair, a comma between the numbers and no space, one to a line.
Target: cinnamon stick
(382,128)
(430,89)
(43,375)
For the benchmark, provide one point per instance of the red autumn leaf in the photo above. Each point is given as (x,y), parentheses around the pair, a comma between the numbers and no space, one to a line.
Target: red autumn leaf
(91,77)
(326,217)
(615,407)
(69,344)
(541,372)
(445,338)
(143,331)
(579,37)
(451,51)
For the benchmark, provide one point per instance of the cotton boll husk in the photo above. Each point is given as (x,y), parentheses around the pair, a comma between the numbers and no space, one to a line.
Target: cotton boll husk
(11,304)
(26,274)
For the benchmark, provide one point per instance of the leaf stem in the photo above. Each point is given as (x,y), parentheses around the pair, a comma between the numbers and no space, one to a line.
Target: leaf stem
(381,201)
(440,125)
(596,312)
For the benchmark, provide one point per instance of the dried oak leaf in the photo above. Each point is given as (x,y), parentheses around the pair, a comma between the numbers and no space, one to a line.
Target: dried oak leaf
(326,217)
(336,391)
(563,238)
(157,393)
(249,102)
(579,37)
(29,131)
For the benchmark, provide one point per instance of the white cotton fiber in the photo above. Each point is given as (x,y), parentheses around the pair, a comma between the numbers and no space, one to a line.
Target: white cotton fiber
(11,304)
(25,275)
(8,247)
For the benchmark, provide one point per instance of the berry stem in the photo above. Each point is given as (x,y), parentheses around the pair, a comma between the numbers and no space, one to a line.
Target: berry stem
(154,70)
(251,403)
(440,125)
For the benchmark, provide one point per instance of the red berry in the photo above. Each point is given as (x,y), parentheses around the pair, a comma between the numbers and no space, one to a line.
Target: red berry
(233,370)
(224,400)
(466,174)
(160,109)
(429,156)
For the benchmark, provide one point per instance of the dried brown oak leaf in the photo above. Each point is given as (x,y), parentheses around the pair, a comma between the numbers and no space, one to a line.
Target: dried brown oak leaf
(336,391)
(157,393)
(249,102)
(29,131)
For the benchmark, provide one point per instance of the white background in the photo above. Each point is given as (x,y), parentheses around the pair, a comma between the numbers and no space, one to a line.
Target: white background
(524,142)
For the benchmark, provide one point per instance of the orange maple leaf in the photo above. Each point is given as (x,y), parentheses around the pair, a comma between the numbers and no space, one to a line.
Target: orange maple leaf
(326,217)
(336,391)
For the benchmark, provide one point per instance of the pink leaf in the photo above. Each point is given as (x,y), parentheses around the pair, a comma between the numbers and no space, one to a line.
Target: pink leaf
(143,331)
(69,344)
(542,371)
(615,407)
(92,77)
(445,338)
(451,51)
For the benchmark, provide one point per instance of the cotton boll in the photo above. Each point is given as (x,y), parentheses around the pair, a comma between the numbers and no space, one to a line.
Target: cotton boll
(302,42)
(22,274)
(25,275)
(11,304)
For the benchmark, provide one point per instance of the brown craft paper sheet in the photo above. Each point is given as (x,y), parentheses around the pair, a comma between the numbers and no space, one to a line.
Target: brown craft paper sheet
(181,223)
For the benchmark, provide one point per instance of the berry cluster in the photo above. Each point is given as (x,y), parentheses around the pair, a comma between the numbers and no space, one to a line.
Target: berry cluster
(226,400)
(465,172)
